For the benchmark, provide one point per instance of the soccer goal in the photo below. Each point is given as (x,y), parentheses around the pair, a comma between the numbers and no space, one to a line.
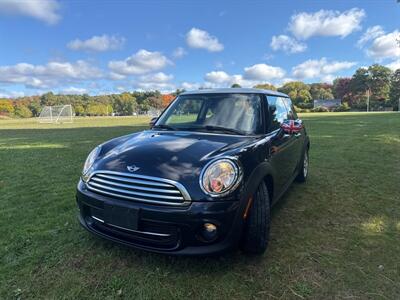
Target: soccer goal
(56,114)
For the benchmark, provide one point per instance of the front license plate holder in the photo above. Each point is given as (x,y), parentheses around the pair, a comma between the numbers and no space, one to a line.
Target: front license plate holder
(121,216)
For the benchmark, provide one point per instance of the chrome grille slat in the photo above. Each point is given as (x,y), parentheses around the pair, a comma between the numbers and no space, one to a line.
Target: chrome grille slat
(134,193)
(138,181)
(133,198)
(137,187)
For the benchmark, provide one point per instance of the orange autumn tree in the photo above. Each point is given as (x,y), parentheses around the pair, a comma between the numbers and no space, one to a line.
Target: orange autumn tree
(166,99)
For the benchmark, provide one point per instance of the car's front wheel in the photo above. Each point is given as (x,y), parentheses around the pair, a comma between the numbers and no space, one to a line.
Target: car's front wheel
(256,231)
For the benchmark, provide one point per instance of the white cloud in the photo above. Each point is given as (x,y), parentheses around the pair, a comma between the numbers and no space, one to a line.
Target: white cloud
(165,87)
(98,43)
(11,94)
(197,38)
(116,76)
(73,91)
(251,76)
(158,81)
(218,77)
(322,68)
(190,85)
(370,34)
(394,65)
(179,52)
(243,82)
(44,10)
(326,23)
(385,46)
(51,74)
(329,78)
(263,72)
(159,77)
(287,44)
(285,80)
(139,63)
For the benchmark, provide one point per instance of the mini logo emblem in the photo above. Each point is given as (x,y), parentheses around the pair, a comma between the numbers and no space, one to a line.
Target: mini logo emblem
(132,168)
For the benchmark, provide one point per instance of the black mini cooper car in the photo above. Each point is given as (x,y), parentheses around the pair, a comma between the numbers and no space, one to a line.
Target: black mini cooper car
(202,179)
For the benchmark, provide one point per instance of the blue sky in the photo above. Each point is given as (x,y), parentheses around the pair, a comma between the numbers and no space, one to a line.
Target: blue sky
(113,46)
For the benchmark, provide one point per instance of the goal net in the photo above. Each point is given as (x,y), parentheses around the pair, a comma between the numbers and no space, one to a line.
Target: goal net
(56,114)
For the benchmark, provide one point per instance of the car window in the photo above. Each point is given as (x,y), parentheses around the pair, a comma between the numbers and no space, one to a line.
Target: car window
(185,112)
(278,111)
(241,112)
(289,106)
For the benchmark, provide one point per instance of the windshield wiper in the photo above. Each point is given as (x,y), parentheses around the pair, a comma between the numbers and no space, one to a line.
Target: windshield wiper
(224,129)
(164,126)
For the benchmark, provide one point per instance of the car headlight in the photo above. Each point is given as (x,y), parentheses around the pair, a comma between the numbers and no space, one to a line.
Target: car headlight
(90,160)
(220,177)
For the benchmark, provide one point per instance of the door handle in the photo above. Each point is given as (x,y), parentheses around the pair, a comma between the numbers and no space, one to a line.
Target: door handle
(297,135)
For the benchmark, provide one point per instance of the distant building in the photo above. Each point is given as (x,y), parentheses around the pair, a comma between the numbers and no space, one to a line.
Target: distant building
(327,103)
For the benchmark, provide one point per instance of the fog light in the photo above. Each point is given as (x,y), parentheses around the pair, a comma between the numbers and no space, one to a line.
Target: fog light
(209,231)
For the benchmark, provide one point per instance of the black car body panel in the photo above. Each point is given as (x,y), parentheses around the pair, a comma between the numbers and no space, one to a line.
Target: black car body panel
(179,157)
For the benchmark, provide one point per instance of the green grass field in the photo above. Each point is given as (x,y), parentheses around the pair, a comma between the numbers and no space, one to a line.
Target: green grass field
(335,237)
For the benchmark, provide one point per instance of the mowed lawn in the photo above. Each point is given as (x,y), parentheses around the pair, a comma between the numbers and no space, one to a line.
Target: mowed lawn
(335,237)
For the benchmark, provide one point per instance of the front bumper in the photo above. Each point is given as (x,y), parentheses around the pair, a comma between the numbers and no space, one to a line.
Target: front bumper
(165,229)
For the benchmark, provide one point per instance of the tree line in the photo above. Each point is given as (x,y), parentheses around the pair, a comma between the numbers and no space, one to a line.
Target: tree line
(382,85)
(124,104)
(379,82)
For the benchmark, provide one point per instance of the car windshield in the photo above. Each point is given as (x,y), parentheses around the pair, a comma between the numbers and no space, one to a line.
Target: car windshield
(227,113)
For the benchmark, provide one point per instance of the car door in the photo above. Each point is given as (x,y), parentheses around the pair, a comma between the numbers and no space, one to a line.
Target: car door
(283,148)
(299,137)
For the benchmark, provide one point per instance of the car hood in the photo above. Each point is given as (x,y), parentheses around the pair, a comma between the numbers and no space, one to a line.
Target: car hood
(178,156)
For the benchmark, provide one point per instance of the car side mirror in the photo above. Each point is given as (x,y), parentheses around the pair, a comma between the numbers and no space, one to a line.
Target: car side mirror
(153,121)
(292,126)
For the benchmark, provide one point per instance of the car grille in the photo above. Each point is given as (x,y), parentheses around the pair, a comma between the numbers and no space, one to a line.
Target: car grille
(139,188)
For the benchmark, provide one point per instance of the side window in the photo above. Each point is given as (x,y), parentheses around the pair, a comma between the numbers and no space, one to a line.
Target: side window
(291,112)
(278,111)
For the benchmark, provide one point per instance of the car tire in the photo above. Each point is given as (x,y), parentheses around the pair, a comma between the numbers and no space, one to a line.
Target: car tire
(303,168)
(256,229)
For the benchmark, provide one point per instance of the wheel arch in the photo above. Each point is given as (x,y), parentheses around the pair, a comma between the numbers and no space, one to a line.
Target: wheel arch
(269,182)
(262,173)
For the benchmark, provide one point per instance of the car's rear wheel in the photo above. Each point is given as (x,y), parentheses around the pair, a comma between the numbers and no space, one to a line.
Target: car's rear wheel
(256,231)
(304,165)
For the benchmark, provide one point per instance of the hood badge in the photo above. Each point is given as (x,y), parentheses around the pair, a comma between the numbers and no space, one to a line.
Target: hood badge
(132,168)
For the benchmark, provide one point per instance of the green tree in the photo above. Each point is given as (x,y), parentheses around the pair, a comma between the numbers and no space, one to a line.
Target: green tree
(97,109)
(265,86)
(395,89)
(145,105)
(303,96)
(376,79)
(359,86)
(34,106)
(49,99)
(298,91)
(321,91)
(236,85)
(379,82)
(125,104)
(22,111)
(79,110)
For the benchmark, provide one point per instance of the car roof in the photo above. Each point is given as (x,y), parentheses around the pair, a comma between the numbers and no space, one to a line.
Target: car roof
(235,91)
